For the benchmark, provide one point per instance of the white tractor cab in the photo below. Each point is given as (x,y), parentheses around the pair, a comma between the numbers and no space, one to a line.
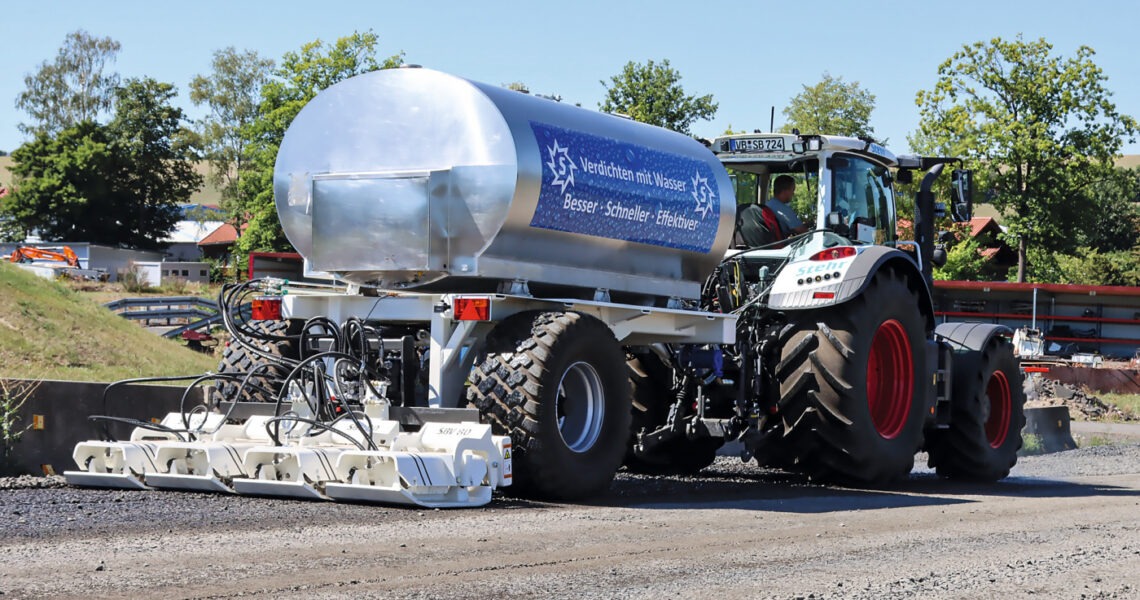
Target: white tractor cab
(848,183)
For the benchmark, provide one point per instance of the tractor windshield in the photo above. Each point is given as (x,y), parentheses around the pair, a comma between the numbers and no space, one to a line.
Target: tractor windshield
(861,195)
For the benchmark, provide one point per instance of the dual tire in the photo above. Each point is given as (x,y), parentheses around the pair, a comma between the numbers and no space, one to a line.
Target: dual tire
(556,383)
(987,415)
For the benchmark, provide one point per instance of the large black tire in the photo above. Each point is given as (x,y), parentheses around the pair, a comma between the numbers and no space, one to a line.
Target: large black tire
(652,395)
(852,386)
(987,413)
(556,383)
(238,360)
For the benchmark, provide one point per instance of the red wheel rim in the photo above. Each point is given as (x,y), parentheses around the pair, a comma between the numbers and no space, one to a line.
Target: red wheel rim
(1001,407)
(890,379)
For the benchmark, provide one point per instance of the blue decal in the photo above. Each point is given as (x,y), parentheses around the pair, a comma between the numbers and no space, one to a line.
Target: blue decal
(600,186)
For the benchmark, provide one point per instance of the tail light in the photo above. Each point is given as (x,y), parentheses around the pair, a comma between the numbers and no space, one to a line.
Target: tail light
(266,308)
(835,253)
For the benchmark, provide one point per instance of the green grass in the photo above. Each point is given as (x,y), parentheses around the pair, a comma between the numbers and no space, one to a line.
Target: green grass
(1129,404)
(48,331)
(1031,443)
(1094,441)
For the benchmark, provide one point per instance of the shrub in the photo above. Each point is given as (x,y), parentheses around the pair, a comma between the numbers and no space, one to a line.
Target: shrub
(133,280)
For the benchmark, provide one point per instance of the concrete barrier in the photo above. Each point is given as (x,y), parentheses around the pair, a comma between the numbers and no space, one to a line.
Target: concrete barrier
(54,419)
(1052,425)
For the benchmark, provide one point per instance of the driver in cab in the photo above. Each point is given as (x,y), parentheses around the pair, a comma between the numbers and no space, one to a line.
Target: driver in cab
(774,221)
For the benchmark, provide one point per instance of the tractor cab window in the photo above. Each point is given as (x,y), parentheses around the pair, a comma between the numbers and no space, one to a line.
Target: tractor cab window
(862,199)
(746,185)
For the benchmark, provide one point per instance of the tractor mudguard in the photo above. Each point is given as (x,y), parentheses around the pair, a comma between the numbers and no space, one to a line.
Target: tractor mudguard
(848,277)
(970,336)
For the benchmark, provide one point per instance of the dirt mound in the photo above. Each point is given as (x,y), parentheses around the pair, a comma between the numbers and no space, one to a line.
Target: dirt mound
(1082,404)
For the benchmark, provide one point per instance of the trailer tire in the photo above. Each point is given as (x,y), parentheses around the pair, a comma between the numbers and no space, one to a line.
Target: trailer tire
(986,418)
(852,393)
(556,383)
(238,359)
(651,402)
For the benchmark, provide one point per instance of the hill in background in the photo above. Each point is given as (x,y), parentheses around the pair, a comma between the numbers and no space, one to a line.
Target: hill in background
(48,331)
(207,195)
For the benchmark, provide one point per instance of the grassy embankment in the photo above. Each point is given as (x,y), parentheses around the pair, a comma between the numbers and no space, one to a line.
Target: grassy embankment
(48,331)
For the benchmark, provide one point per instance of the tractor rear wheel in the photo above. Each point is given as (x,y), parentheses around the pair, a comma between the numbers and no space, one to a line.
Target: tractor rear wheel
(652,397)
(987,413)
(556,383)
(852,386)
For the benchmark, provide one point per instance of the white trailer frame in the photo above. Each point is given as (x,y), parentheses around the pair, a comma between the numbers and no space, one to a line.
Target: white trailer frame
(454,342)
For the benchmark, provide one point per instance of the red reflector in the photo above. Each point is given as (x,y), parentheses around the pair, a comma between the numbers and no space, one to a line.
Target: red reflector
(823,295)
(266,308)
(835,253)
(1036,369)
(472,309)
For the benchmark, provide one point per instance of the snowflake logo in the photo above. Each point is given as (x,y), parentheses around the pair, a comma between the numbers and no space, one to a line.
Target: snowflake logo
(703,194)
(561,165)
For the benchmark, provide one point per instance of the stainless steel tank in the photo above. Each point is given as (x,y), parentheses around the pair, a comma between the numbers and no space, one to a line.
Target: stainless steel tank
(416,179)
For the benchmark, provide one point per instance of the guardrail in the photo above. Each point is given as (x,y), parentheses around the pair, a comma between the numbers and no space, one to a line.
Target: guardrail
(200,312)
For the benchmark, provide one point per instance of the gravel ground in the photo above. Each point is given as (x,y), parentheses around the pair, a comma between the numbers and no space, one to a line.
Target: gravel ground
(1063,525)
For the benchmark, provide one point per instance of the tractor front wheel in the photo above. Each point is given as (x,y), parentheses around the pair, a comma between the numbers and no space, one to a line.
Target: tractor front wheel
(852,392)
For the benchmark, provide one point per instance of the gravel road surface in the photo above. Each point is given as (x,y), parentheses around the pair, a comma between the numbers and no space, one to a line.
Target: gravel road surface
(1064,525)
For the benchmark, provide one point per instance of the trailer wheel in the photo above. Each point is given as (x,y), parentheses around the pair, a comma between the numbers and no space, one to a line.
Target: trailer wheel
(237,359)
(852,393)
(652,396)
(556,383)
(987,414)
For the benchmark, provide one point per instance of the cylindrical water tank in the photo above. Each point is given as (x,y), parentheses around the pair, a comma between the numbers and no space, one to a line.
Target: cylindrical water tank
(416,179)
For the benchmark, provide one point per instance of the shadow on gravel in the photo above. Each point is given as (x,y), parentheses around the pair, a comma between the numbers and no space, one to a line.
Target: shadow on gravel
(762,490)
(1014,487)
(770,490)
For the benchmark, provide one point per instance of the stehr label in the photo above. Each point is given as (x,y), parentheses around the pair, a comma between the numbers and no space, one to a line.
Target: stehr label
(599,186)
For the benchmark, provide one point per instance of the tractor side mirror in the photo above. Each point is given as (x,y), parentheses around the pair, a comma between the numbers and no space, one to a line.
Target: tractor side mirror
(905,176)
(962,195)
(938,258)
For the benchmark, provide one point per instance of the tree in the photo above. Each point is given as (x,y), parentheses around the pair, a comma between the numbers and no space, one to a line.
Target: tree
(115,184)
(297,80)
(75,87)
(831,107)
(154,172)
(1039,127)
(232,93)
(62,184)
(964,262)
(652,93)
(1112,220)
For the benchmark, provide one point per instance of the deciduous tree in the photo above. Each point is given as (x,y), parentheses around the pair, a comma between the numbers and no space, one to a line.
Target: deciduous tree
(652,93)
(832,107)
(300,76)
(76,86)
(115,184)
(62,185)
(154,173)
(1039,128)
(232,92)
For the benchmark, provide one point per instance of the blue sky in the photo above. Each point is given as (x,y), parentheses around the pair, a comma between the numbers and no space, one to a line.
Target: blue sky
(749,55)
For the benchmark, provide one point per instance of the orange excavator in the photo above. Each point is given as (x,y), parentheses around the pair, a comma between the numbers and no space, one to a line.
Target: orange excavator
(26,254)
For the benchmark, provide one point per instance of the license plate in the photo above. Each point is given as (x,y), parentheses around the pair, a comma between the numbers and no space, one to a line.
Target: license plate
(770,144)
